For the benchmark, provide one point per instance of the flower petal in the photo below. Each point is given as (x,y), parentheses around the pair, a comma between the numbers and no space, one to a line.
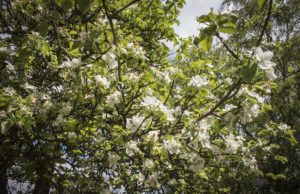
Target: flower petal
(266,56)
(266,65)
(258,51)
(270,74)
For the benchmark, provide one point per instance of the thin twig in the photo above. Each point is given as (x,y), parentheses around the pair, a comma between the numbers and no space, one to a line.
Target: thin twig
(126,6)
(172,86)
(265,24)
(226,97)
(227,47)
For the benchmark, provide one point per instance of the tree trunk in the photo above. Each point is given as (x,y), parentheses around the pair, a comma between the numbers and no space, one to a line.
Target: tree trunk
(3,176)
(42,184)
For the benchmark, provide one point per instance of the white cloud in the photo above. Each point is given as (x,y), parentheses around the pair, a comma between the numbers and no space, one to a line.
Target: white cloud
(192,9)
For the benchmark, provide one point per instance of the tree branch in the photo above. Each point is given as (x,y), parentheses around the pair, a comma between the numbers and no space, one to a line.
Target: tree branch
(126,6)
(265,24)
(226,97)
(227,47)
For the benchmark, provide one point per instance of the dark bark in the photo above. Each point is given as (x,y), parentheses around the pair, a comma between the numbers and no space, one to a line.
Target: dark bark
(42,184)
(3,176)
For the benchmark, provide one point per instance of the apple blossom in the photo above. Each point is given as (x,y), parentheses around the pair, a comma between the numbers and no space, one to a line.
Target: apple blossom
(198,81)
(265,63)
(113,98)
(113,159)
(102,81)
(131,148)
(111,60)
(172,146)
(153,179)
(153,135)
(134,122)
(74,63)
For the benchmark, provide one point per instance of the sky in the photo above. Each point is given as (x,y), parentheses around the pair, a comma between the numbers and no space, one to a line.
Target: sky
(193,8)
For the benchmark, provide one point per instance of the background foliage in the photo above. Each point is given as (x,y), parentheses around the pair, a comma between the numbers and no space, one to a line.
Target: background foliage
(91,101)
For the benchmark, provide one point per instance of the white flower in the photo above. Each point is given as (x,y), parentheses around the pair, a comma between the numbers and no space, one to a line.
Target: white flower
(256,95)
(174,71)
(131,147)
(71,135)
(265,62)
(47,105)
(30,87)
(209,65)
(177,111)
(156,104)
(141,177)
(167,112)
(58,88)
(113,159)
(134,123)
(172,146)
(246,118)
(74,63)
(113,98)
(197,164)
(198,81)
(84,36)
(58,120)
(102,81)
(254,110)
(3,50)
(204,138)
(249,112)
(283,127)
(153,179)
(251,162)
(166,76)
(110,58)
(66,109)
(133,76)
(148,163)
(204,125)
(232,144)
(228,80)
(229,107)
(263,56)
(172,182)
(270,74)
(150,101)
(153,135)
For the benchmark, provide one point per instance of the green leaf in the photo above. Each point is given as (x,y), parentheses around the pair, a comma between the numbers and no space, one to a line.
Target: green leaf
(196,41)
(227,29)
(203,174)
(206,43)
(65,4)
(43,28)
(261,3)
(84,5)
(248,72)
(209,31)
(77,152)
(212,16)
(203,19)
(280,177)
(271,175)
(281,159)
